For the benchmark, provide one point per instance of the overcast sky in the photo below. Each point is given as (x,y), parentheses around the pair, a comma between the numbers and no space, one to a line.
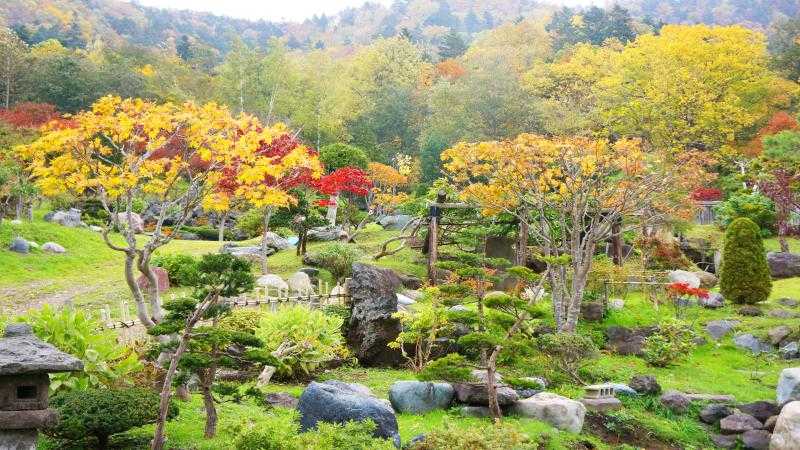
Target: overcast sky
(291,10)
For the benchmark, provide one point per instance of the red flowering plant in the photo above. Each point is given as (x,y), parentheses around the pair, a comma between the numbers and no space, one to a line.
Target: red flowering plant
(681,295)
(706,194)
(347,180)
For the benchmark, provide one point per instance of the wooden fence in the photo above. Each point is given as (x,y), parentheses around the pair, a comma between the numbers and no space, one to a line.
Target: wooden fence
(272,298)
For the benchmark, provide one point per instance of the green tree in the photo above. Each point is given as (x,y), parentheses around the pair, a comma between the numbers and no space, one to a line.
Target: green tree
(337,156)
(744,275)
(452,45)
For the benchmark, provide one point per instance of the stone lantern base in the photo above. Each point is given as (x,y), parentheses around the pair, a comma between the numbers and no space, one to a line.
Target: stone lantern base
(18,439)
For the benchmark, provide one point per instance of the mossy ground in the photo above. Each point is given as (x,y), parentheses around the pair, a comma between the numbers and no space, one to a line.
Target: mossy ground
(90,275)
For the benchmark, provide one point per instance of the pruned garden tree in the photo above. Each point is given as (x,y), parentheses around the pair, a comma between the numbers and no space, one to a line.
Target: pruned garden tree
(345,185)
(780,179)
(569,193)
(219,276)
(127,150)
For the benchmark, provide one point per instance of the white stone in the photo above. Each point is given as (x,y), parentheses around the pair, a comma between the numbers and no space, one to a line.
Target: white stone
(616,304)
(95,228)
(561,412)
(682,276)
(789,385)
(52,247)
(272,281)
(786,435)
(481,375)
(300,282)
(136,222)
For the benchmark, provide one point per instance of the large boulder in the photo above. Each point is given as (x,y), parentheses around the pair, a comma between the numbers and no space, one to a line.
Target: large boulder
(560,412)
(627,341)
(19,245)
(476,394)
(788,385)
(714,300)
(739,423)
(593,311)
(683,276)
(71,218)
(786,435)
(419,397)
(276,242)
(715,412)
(248,253)
(300,282)
(707,280)
(645,384)
(326,233)
(756,440)
(778,334)
(761,410)
(749,342)
(783,265)
(396,222)
(717,329)
(162,280)
(371,326)
(52,247)
(341,403)
(135,221)
(790,351)
(272,281)
(676,401)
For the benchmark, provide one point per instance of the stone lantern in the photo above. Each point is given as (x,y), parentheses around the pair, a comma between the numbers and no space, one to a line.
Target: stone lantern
(25,362)
(600,397)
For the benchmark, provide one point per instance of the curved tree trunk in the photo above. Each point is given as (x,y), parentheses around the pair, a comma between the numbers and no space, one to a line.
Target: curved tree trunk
(264,246)
(206,381)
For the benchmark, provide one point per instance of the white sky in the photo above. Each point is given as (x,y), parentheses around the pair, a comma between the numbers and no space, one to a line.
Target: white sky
(276,10)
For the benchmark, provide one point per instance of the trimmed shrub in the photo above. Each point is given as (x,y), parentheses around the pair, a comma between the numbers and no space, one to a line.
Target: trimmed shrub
(90,417)
(753,206)
(336,156)
(569,352)
(301,340)
(672,342)
(182,269)
(337,258)
(744,275)
(500,436)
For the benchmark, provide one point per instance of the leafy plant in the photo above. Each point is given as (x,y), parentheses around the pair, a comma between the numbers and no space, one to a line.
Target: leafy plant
(744,273)
(301,340)
(672,342)
(421,329)
(570,352)
(452,367)
(482,437)
(242,319)
(753,206)
(181,269)
(97,414)
(337,258)
(106,363)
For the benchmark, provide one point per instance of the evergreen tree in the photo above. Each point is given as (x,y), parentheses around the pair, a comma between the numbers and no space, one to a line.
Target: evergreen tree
(184,48)
(744,275)
(452,46)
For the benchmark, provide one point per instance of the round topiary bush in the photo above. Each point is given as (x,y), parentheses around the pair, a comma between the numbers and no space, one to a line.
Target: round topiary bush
(89,417)
(744,275)
(336,156)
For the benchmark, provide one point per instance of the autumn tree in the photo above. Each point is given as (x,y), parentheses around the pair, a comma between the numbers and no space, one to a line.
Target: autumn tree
(12,63)
(349,181)
(780,179)
(386,181)
(568,193)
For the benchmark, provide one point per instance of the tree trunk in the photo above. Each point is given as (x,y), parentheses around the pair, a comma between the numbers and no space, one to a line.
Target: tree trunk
(138,297)
(264,246)
(20,205)
(521,253)
(152,286)
(491,384)
(183,393)
(222,227)
(206,380)
(333,206)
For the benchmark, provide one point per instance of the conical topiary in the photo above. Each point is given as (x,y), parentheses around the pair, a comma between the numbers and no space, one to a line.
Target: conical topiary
(744,275)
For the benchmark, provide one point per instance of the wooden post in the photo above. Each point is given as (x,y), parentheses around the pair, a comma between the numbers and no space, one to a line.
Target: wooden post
(434,213)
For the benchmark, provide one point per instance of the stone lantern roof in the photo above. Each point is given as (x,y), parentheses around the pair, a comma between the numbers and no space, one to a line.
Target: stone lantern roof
(21,352)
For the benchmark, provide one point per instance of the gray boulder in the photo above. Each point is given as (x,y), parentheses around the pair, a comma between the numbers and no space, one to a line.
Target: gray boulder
(248,253)
(281,400)
(778,334)
(623,389)
(707,280)
(326,233)
(749,342)
(52,247)
(713,301)
(418,397)
(790,351)
(713,413)
(683,276)
(782,314)
(786,435)
(396,222)
(71,218)
(783,265)
(788,385)
(272,281)
(645,384)
(756,440)
(676,401)
(19,245)
(560,412)
(300,282)
(761,410)
(475,394)
(739,423)
(371,327)
(136,223)
(725,440)
(277,242)
(627,341)
(717,329)
(340,403)
(788,302)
